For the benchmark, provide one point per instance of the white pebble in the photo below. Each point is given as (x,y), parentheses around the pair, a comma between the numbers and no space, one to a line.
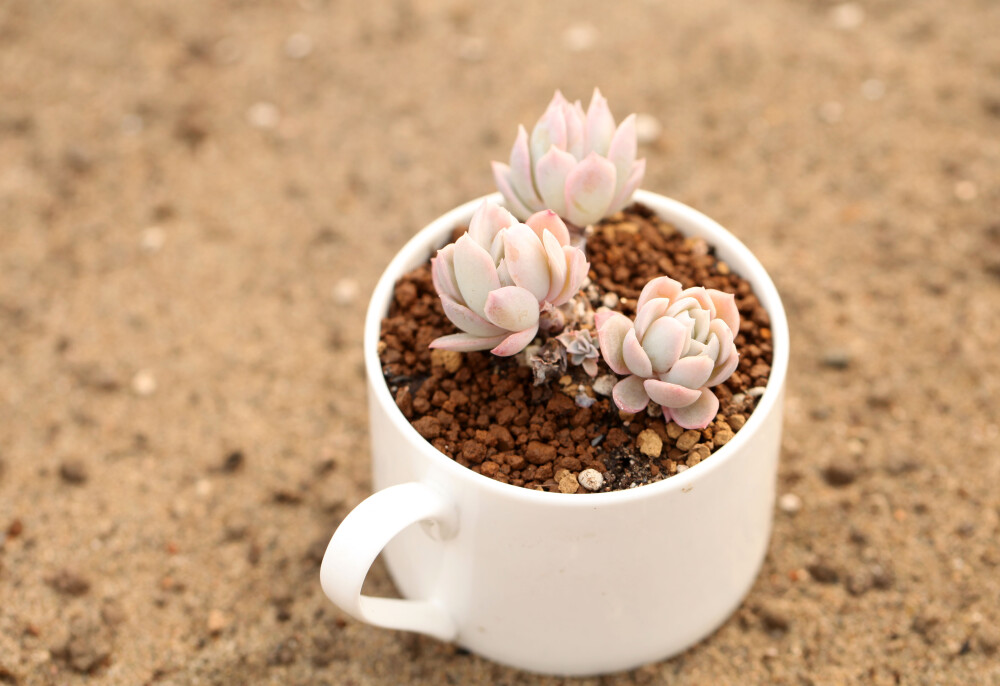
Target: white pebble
(346,291)
(831,112)
(580,37)
(591,479)
(298,46)
(966,191)
(603,384)
(203,487)
(610,300)
(756,391)
(144,383)
(263,115)
(647,128)
(790,503)
(152,239)
(847,16)
(873,90)
(472,49)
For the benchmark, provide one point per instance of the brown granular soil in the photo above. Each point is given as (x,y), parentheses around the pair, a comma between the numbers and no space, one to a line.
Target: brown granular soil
(486,412)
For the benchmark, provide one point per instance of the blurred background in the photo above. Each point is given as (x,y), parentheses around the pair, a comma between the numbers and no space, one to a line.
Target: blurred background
(196,199)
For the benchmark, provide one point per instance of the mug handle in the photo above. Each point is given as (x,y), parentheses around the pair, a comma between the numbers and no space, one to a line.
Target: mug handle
(358,541)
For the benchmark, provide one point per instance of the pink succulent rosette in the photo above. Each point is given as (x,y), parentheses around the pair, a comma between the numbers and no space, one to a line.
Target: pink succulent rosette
(576,164)
(679,346)
(496,278)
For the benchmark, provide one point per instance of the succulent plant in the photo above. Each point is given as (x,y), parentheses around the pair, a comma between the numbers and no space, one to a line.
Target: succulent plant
(679,346)
(581,349)
(577,164)
(497,277)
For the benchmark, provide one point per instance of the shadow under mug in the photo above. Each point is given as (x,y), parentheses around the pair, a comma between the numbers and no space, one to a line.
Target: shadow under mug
(576,584)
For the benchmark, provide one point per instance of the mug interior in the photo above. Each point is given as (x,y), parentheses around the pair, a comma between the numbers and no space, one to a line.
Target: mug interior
(688,221)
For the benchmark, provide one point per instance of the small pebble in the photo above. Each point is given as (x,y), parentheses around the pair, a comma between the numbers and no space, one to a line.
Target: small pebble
(298,46)
(610,300)
(217,621)
(73,472)
(647,128)
(847,16)
(472,49)
(568,484)
(873,90)
(132,124)
(591,479)
(722,436)
(831,112)
(674,430)
(203,488)
(736,422)
(144,383)
(773,617)
(649,443)
(790,503)
(346,291)
(69,583)
(838,475)
(263,115)
(152,239)
(580,37)
(583,400)
(603,385)
(756,391)
(451,360)
(698,454)
(836,358)
(966,191)
(688,440)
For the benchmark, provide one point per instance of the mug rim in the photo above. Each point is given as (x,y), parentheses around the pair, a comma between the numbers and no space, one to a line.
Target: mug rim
(428,239)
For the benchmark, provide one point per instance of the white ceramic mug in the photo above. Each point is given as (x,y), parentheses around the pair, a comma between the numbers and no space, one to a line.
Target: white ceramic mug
(549,582)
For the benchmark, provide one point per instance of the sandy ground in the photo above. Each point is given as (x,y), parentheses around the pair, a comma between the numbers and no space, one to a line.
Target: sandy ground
(197,197)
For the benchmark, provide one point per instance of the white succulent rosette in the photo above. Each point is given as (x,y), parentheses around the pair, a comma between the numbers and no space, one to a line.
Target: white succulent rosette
(497,277)
(578,165)
(679,346)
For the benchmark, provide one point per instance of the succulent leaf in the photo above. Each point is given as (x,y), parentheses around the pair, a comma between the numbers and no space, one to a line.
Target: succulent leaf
(513,308)
(698,414)
(630,395)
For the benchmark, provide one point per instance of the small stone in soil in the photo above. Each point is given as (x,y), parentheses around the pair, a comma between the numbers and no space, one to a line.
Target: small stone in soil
(69,583)
(790,503)
(722,436)
(144,383)
(217,621)
(823,573)
(346,291)
(649,443)
(451,360)
(839,475)
(591,479)
(73,472)
(603,385)
(836,358)
(568,484)
(539,453)
(688,440)
(773,617)
(233,462)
